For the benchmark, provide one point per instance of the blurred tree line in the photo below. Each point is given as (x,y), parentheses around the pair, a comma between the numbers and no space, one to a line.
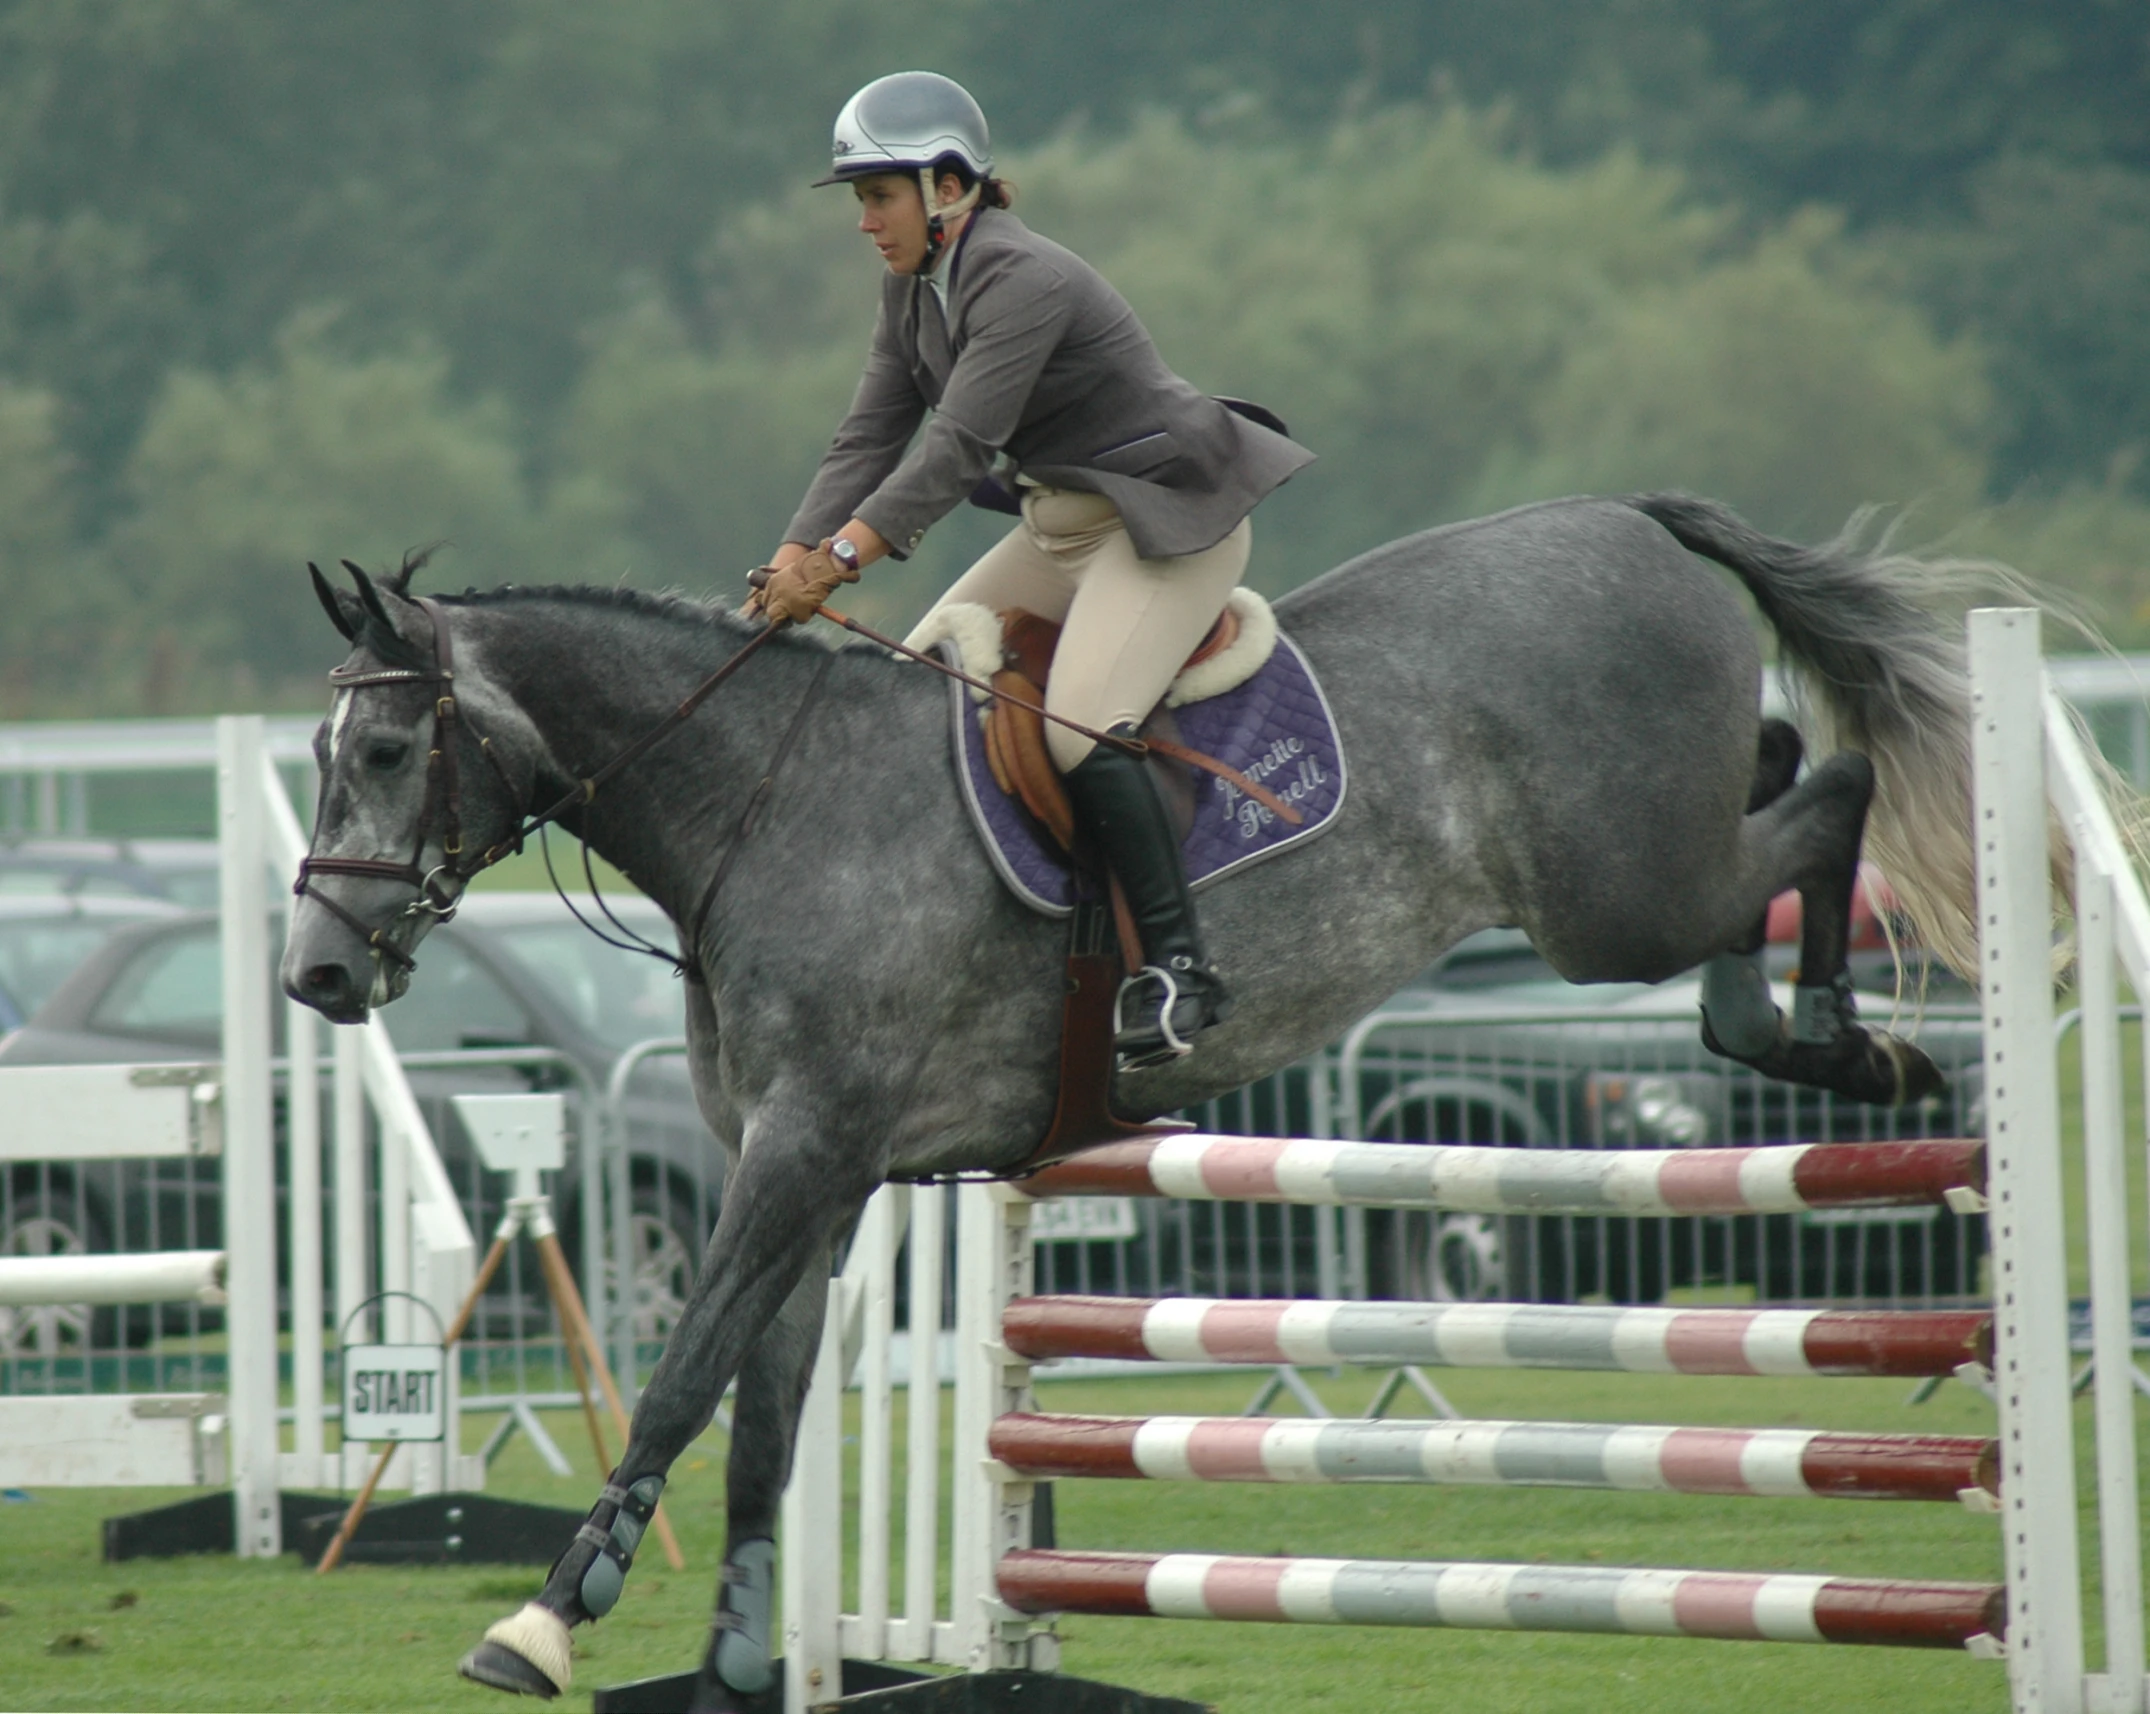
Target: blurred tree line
(540,278)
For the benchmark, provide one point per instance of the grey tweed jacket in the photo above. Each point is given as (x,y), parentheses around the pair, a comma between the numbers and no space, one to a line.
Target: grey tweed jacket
(1037,358)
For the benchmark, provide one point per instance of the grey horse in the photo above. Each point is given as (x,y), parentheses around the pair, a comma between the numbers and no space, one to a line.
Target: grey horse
(1552,722)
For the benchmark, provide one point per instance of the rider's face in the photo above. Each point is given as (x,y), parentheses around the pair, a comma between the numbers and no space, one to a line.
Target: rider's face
(893,215)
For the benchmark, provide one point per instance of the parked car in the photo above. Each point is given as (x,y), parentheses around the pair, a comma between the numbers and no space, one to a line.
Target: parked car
(511,972)
(44,936)
(183,871)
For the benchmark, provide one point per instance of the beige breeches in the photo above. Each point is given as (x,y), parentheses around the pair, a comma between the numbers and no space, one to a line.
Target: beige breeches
(1128,623)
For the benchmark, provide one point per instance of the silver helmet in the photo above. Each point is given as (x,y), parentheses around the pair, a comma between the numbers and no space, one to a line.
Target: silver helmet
(907,121)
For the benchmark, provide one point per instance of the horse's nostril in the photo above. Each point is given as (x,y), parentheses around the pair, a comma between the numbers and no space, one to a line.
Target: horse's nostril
(325,981)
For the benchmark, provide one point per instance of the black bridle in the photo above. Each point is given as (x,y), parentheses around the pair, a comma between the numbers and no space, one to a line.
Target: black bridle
(440,887)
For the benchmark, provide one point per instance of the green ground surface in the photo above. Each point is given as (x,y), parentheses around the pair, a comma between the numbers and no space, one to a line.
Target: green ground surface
(220,1634)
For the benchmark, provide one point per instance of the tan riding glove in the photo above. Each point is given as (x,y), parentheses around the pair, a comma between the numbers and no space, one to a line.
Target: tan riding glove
(798,590)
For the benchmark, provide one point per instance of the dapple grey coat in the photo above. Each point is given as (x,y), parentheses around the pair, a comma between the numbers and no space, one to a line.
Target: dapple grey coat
(1039,358)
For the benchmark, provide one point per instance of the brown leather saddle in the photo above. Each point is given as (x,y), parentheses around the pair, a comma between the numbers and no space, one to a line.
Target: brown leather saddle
(1015,730)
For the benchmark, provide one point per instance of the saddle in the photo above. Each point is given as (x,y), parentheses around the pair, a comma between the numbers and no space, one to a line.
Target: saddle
(1015,745)
(1013,651)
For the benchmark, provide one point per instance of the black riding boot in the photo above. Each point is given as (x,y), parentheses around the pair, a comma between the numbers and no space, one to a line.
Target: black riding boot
(1177,995)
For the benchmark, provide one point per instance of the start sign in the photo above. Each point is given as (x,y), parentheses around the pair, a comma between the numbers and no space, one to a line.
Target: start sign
(395,1392)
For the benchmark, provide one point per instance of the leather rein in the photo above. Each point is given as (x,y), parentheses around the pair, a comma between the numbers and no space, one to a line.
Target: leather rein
(444,785)
(444,789)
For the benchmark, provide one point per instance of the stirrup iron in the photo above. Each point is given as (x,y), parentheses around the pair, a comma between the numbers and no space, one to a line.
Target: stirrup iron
(1176,1047)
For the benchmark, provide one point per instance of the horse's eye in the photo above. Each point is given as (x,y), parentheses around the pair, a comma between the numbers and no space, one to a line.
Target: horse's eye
(386,757)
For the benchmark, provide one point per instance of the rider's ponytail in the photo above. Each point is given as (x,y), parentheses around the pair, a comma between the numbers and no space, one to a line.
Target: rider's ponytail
(992,192)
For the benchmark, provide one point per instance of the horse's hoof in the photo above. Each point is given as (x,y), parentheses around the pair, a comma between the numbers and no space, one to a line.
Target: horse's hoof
(526,1653)
(504,1669)
(1917,1076)
(1869,1066)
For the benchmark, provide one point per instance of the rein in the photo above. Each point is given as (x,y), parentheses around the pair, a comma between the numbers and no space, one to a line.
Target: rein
(444,781)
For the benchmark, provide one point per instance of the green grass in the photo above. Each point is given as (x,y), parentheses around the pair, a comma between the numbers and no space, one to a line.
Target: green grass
(221,1634)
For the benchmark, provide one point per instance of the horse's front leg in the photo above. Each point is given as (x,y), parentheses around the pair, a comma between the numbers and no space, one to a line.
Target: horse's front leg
(782,1208)
(765,1432)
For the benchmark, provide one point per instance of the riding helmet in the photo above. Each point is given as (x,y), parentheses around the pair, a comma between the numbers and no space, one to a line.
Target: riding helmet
(909,120)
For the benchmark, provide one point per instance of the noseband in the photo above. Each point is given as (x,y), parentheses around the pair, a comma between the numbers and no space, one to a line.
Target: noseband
(444,785)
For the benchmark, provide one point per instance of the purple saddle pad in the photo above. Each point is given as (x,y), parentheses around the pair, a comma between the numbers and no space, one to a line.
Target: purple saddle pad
(1276,729)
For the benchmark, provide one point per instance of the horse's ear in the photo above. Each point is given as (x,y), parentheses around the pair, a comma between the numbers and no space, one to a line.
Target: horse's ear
(370,596)
(332,604)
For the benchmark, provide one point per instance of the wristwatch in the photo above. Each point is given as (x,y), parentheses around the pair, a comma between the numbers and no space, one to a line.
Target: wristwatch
(845,553)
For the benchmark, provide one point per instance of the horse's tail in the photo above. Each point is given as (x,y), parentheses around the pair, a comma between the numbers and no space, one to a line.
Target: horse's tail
(1878,672)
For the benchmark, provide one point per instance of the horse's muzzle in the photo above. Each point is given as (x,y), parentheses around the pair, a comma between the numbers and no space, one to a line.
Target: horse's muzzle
(339,993)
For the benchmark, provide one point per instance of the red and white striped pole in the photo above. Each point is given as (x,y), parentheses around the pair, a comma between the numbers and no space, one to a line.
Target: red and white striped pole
(1908,1343)
(1731,1605)
(1796,1462)
(1468,1179)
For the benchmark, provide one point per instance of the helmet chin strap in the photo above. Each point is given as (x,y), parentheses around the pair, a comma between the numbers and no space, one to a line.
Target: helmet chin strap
(936,232)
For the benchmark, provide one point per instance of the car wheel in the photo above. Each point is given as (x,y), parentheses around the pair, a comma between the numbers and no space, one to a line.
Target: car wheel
(1454,1258)
(663,1257)
(40,1224)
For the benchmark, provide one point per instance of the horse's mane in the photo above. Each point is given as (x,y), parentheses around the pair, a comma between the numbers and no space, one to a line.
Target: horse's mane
(667,606)
(371,630)
(674,606)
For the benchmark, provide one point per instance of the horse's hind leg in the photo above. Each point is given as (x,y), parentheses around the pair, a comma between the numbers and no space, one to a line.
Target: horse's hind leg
(765,1429)
(1812,835)
(1739,1018)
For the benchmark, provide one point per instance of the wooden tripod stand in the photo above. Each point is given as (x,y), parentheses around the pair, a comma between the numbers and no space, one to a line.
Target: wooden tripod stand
(532,1213)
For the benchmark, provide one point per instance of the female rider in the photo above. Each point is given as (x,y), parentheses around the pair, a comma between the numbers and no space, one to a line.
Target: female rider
(1135,488)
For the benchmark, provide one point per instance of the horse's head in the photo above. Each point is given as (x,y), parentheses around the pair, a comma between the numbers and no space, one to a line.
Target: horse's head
(414,799)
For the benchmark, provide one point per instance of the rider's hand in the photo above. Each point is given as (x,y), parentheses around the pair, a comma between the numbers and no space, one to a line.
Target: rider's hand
(797,590)
(787,554)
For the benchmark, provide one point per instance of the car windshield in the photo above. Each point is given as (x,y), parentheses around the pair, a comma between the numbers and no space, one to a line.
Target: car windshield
(29,879)
(173,988)
(619,997)
(38,953)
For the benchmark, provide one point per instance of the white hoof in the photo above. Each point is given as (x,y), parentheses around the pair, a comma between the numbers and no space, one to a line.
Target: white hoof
(540,1636)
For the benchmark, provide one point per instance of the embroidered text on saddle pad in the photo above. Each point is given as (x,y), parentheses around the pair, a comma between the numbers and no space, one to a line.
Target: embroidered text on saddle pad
(1276,728)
